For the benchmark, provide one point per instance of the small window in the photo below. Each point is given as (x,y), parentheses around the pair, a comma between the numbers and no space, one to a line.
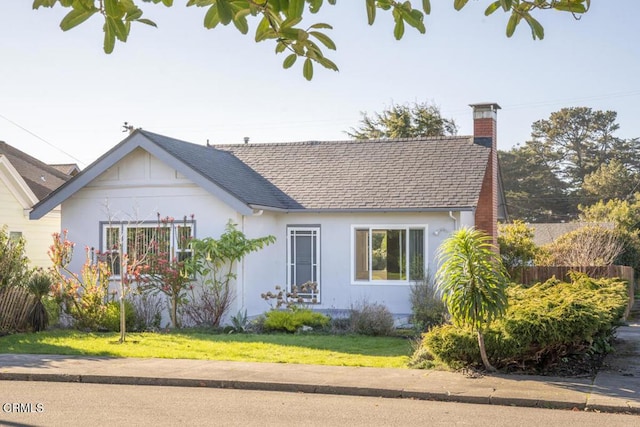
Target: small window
(15,235)
(388,254)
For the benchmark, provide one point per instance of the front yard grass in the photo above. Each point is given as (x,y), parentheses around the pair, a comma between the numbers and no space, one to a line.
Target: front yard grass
(335,350)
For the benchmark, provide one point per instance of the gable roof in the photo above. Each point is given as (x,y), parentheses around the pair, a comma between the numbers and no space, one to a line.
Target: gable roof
(384,174)
(401,174)
(39,177)
(227,171)
(70,169)
(213,170)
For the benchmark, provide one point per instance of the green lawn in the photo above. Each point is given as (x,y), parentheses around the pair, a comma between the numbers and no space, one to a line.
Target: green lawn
(336,350)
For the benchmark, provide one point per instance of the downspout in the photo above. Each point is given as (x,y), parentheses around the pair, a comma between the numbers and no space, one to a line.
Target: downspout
(455,221)
(242,267)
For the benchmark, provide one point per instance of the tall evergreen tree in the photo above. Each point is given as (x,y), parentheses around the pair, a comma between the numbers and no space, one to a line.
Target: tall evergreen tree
(575,141)
(404,121)
(533,191)
(572,158)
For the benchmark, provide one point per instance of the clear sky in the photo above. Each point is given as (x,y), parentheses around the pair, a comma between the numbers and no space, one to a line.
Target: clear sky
(190,83)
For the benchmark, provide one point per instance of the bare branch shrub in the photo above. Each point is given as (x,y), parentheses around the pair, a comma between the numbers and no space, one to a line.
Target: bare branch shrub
(148,309)
(591,246)
(207,306)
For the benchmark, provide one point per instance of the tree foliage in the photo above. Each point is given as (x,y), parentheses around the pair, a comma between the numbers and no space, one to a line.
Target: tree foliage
(214,261)
(533,191)
(473,281)
(625,214)
(573,157)
(14,264)
(404,121)
(611,180)
(575,141)
(517,248)
(286,22)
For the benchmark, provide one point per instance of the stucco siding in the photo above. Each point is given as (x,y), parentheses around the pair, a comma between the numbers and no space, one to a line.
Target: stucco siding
(266,269)
(140,186)
(136,190)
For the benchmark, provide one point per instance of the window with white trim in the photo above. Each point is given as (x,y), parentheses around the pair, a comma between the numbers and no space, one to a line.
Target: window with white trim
(139,240)
(389,253)
(303,260)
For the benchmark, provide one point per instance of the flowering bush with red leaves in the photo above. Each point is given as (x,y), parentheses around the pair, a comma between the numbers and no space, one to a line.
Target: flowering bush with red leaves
(84,297)
(164,272)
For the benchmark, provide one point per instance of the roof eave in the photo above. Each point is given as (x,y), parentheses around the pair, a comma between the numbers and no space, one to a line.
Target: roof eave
(17,184)
(365,210)
(117,153)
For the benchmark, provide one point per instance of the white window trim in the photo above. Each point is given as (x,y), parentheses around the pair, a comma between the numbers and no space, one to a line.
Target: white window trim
(316,229)
(122,226)
(370,227)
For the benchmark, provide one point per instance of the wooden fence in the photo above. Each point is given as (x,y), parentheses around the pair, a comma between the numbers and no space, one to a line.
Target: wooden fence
(15,305)
(532,275)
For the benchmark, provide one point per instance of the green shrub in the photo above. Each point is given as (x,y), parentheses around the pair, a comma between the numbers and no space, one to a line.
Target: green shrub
(372,319)
(111,319)
(292,321)
(340,325)
(428,309)
(543,324)
(14,264)
(53,310)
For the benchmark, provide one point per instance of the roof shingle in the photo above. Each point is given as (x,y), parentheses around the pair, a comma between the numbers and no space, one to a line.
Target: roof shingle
(41,178)
(402,174)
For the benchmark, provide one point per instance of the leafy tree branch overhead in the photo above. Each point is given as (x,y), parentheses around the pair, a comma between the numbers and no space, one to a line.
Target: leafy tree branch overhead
(281,21)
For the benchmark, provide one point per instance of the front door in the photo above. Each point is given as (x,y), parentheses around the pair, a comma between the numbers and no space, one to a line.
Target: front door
(303,260)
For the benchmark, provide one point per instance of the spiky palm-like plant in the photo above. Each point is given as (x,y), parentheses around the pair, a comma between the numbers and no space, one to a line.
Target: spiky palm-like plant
(39,285)
(473,282)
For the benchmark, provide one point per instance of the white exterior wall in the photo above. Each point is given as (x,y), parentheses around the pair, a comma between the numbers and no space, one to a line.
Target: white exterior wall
(266,269)
(37,234)
(140,186)
(135,190)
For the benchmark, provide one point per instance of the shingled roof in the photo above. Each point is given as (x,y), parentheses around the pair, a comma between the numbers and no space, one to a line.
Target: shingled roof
(41,178)
(394,174)
(227,171)
(420,174)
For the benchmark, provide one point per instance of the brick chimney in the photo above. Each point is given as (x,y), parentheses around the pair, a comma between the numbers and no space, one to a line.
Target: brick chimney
(485,133)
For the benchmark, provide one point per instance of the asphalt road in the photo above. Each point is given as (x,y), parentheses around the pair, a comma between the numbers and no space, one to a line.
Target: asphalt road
(68,404)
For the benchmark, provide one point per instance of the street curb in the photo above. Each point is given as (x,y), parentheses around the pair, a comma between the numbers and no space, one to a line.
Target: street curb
(312,389)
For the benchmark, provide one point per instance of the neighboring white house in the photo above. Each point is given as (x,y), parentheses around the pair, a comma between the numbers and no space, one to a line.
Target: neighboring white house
(24,181)
(357,217)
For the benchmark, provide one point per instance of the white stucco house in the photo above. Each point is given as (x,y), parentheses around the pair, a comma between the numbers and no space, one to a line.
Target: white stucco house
(25,180)
(357,217)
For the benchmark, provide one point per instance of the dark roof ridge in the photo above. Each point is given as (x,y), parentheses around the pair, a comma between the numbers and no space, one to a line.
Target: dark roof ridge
(348,141)
(153,134)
